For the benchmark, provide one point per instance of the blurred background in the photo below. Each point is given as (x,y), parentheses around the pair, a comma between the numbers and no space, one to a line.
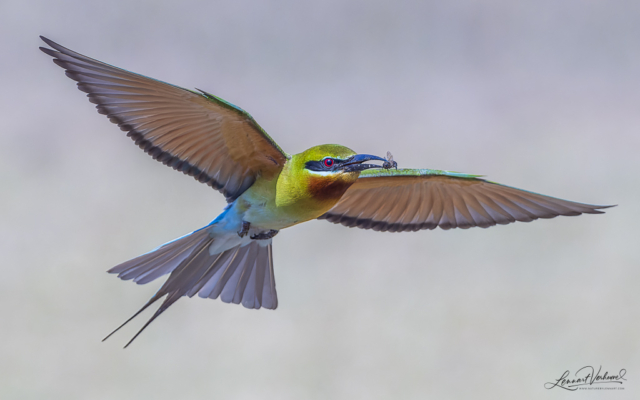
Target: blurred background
(541,95)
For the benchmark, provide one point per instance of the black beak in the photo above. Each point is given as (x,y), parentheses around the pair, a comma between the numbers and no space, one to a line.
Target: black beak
(354,163)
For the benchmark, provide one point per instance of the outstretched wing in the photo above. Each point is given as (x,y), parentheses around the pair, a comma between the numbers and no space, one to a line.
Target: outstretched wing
(199,134)
(413,199)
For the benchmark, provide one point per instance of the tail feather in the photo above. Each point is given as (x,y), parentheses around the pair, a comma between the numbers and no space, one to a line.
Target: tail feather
(172,298)
(242,284)
(240,275)
(151,301)
(163,260)
(243,276)
(268,293)
(212,275)
(225,279)
(189,272)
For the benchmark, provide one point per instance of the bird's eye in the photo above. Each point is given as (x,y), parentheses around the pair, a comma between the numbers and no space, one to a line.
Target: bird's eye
(328,162)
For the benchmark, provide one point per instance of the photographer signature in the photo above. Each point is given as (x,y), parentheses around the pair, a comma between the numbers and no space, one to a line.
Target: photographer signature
(586,376)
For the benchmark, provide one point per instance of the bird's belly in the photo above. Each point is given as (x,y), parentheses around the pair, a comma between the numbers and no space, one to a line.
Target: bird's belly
(276,218)
(269,216)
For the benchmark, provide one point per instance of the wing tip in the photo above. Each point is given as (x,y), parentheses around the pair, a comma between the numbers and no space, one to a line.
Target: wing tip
(52,44)
(47,51)
(46,40)
(591,209)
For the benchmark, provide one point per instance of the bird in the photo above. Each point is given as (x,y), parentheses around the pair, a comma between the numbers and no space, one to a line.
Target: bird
(267,189)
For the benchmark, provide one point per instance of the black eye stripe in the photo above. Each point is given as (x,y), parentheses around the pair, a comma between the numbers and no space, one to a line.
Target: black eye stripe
(320,164)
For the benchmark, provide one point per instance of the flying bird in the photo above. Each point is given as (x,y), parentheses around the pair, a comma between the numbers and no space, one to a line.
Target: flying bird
(267,189)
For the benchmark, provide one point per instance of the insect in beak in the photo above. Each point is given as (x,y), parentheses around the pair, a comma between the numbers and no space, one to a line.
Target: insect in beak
(389,163)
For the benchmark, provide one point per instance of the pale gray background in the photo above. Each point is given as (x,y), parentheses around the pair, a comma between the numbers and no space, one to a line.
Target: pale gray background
(542,95)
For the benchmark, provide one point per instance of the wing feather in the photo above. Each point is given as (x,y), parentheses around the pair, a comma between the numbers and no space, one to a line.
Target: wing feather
(414,199)
(198,134)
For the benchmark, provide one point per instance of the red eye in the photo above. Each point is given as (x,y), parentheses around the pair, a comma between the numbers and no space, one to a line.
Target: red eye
(328,162)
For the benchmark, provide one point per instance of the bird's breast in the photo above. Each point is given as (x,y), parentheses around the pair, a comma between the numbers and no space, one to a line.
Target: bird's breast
(293,201)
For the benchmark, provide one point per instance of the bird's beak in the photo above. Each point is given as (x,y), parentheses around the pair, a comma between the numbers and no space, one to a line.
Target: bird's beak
(354,163)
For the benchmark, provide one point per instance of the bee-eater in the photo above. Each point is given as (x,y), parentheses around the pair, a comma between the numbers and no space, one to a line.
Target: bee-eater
(221,145)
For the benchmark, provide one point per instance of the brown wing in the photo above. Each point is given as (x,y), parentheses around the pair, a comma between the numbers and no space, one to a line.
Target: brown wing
(414,199)
(199,134)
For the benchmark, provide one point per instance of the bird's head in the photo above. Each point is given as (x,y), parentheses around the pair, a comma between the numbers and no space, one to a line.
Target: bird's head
(334,161)
(325,172)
